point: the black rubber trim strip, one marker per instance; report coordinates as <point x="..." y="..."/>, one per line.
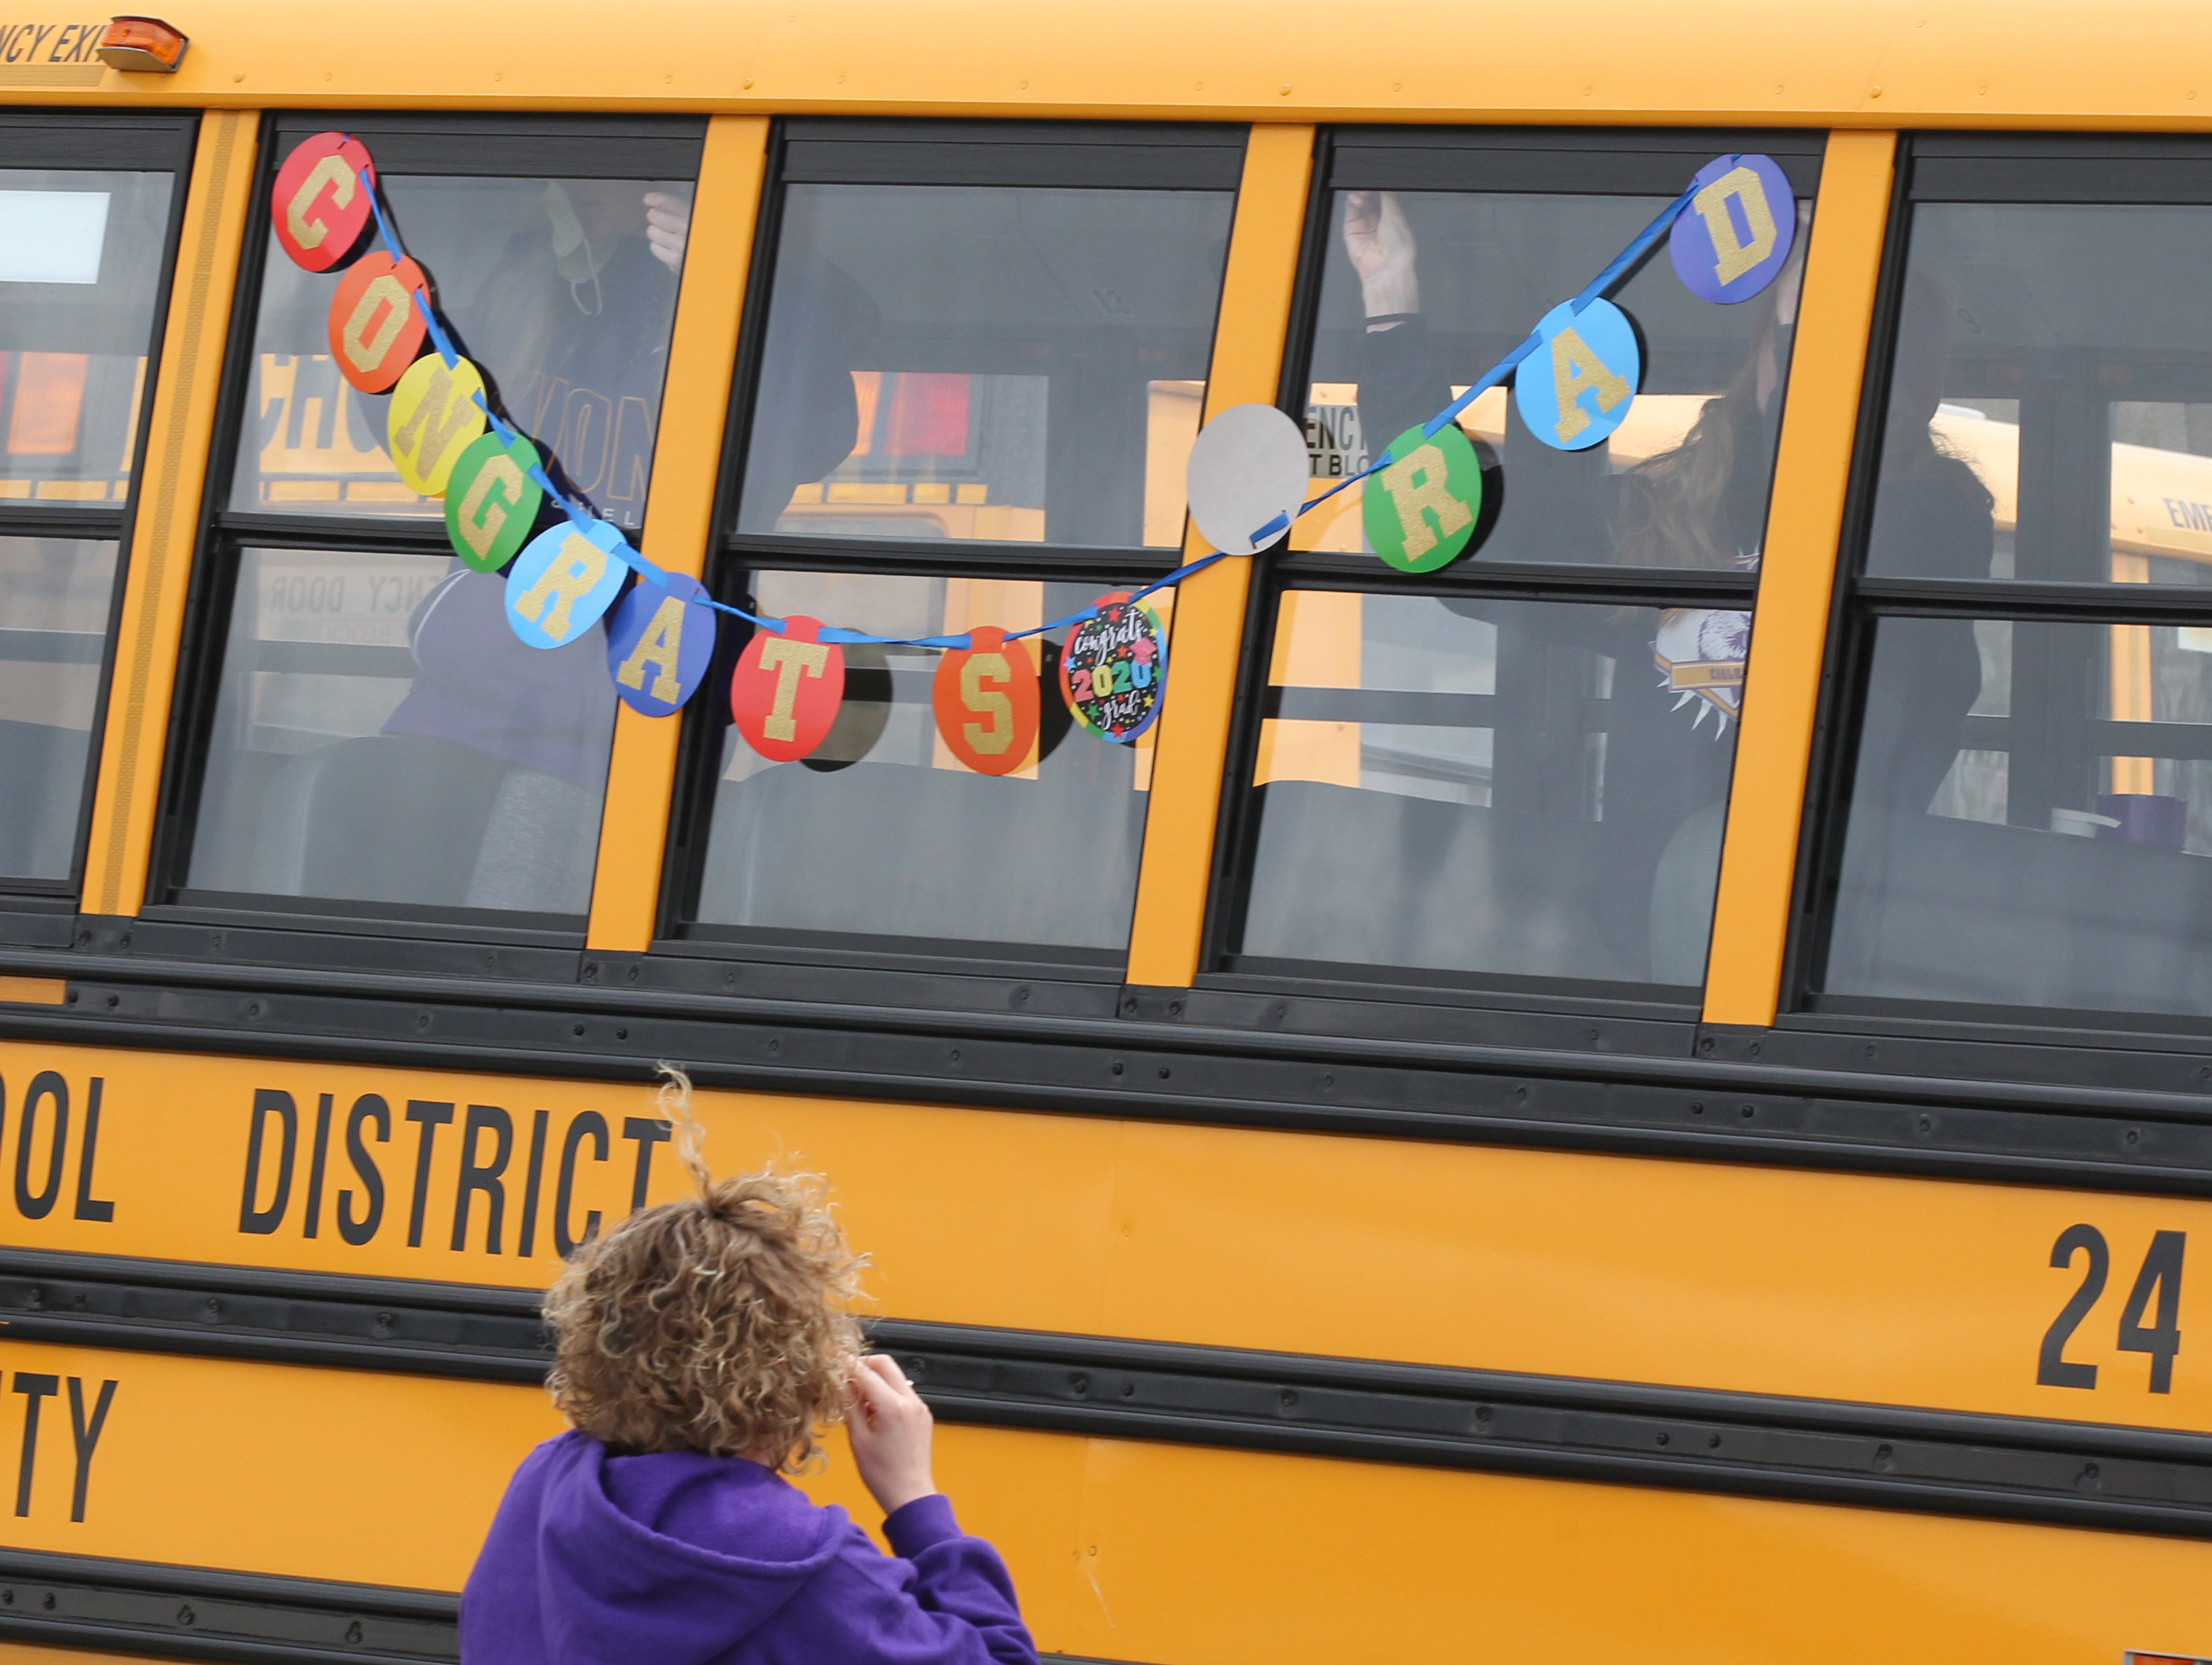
<point x="205" y="1612"/>
<point x="1946" y="1462"/>
<point x="1146" y="1066"/>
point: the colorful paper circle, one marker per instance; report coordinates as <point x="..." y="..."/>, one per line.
<point x="376" y="328"/>
<point x="321" y="205"/>
<point x="1115" y="669"/>
<point x="1421" y="509"/>
<point x="784" y="694"/>
<point x="660" y="642"/>
<point x="1576" y="387"/>
<point x="434" y="415"/>
<point x="563" y="582"/>
<point x="1734" y="237"/>
<point x="986" y="699"/>
<point x="491" y="501"/>
<point x="1247" y="477"/>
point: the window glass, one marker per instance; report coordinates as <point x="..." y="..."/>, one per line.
<point x="884" y="832"/>
<point x="80" y="270"/>
<point x="2051" y="410"/>
<point x="1471" y="785"/>
<point x="381" y="736"/>
<point x="2031" y="817"/>
<point x="1424" y="291"/>
<point x="553" y="287"/>
<point x="1009" y="363"/>
<point x="55" y="597"/>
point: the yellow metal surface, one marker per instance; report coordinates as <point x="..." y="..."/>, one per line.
<point x="1209" y="622"/>
<point x="1790" y="630"/>
<point x="1997" y="63"/>
<point x="679" y="513"/>
<point x="1123" y="1550"/>
<point x="371" y="1479"/>
<point x="167" y="524"/>
<point x="1767" y="1280"/>
<point x="34" y="991"/>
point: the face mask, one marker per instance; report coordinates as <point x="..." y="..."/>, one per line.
<point x="574" y="256"/>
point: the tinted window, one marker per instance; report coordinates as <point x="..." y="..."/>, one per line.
<point x="81" y="262"/>
<point x="883" y="831"/>
<point x="56" y="594"/>
<point x="2030" y="810"/>
<point x="1016" y="364"/>
<point x="1423" y="291"/>
<point x="552" y="286"/>
<point x="1469" y="784"/>
<point x="2063" y="346"/>
<point x="381" y="736"/>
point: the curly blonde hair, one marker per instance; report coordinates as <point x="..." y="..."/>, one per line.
<point x="719" y="1323"/>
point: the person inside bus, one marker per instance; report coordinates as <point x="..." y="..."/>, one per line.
<point x="572" y="319"/>
<point x="1933" y="519"/>
<point x="1701" y="503"/>
<point x="698" y="1347"/>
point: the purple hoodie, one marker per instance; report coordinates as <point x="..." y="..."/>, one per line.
<point x="685" y="1560"/>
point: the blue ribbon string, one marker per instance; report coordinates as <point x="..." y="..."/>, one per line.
<point x="582" y="520"/>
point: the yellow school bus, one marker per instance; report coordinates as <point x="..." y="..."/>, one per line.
<point x="1643" y="1093"/>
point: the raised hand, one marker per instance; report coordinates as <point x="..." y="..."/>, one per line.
<point x="667" y="228"/>
<point x="1380" y="241"/>
<point x="890" y="1428"/>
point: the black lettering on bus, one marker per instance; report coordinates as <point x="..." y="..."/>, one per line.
<point x="36" y="1206"/>
<point x="260" y="1222"/>
<point x="430" y="1115"/>
<point x="533" y="1183"/>
<point x="89" y="1207"/>
<point x="316" y="1161"/>
<point x="367" y="1107"/>
<point x="35" y="1390"/>
<point x="647" y="1131"/>
<point x="87" y="1437"/>
<point x="591" y="1123"/>
<point x="483" y="1177"/>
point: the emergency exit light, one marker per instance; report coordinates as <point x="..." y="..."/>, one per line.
<point x="145" y="45"/>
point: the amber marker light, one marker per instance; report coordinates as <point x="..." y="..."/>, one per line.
<point x="145" y="45"/>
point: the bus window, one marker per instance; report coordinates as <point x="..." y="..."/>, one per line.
<point x="983" y="341"/>
<point x="83" y="266"/>
<point x="552" y="285"/>
<point x="1000" y="363"/>
<point x="2030" y="797"/>
<point x="374" y="741"/>
<point x="1453" y="780"/>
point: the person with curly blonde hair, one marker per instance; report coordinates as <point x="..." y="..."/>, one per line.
<point x="698" y="1347"/>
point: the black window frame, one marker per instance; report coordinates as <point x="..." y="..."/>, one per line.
<point x="2027" y="1043"/>
<point x="334" y="932"/>
<point x="1108" y="156"/>
<point x="1409" y="1002"/>
<point x="39" y="913"/>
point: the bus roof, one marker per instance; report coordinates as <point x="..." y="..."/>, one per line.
<point x="2053" y="63"/>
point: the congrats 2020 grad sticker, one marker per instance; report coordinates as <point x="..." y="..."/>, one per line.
<point x="1115" y="669"/>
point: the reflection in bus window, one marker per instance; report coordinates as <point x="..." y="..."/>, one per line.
<point x="381" y="736"/>
<point x="55" y="596"/>
<point x="1425" y="290"/>
<point x="2030" y="807"/>
<point x="1471" y="785"/>
<point x="554" y="286"/>
<point x="1046" y="855"/>
<point x="1013" y="364"/>
<point x="80" y="265"/>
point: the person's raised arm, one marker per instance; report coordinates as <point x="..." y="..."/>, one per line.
<point x="890" y="1428"/>
<point x="1379" y="239"/>
<point x="667" y="228"/>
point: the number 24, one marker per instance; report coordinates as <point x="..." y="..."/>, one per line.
<point x="2160" y="1276"/>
